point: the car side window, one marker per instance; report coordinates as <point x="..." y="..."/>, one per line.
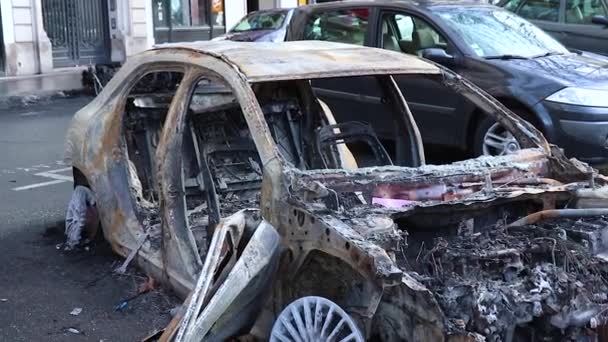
<point x="546" y="10"/>
<point x="512" y="5"/>
<point x="343" y="26"/>
<point x="146" y="107"/>
<point x="405" y="26"/>
<point x="581" y="11"/>
<point x="406" y="33"/>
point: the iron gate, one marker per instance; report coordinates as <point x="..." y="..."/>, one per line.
<point x="78" y="30"/>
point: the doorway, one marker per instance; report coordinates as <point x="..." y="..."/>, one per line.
<point x="78" y="30"/>
<point x="253" y="5"/>
<point x="1" y="46"/>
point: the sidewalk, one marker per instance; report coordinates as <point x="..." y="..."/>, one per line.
<point x="22" y="90"/>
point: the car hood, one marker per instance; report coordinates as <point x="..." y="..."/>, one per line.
<point x="250" y="36"/>
<point x="567" y="70"/>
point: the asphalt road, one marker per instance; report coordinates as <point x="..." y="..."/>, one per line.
<point x="39" y="284"/>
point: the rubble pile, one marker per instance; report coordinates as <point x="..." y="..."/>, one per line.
<point x="534" y="283"/>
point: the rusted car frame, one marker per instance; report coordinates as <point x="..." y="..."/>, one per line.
<point x="346" y="233"/>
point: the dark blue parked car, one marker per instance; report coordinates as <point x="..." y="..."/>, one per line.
<point x="562" y="93"/>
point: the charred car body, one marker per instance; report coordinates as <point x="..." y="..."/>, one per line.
<point x="233" y="184"/>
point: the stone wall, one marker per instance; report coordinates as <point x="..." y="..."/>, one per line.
<point x="27" y="49"/>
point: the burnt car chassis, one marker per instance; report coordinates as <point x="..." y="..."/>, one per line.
<point x="243" y="215"/>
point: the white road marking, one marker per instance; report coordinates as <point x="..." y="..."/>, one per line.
<point x="53" y="174"/>
<point x="38" y="185"/>
<point x="34" y="168"/>
<point x="30" y="113"/>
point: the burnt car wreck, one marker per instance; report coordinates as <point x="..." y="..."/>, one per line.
<point x="230" y="182"/>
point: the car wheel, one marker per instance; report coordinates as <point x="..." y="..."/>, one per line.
<point x="491" y="139"/>
<point x="81" y="218"/>
<point x="314" y="319"/>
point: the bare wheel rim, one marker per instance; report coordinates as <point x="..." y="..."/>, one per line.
<point x="497" y="141"/>
<point x="312" y="319"/>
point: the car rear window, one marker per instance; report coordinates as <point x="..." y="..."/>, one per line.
<point x="343" y="26"/>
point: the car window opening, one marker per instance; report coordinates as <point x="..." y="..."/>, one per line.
<point x="409" y="34"/>
<point x="146" y="109"/>
<point x="222" y="170"/>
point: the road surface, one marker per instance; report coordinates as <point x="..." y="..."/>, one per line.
<point x="39" y="284"/>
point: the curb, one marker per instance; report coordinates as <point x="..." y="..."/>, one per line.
<point x="16" y="102"/>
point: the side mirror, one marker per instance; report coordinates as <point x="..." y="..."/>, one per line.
<point x="600" y="20"/>
<point x="438" y="55"/>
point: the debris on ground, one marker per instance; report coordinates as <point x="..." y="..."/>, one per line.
<point x="122" y="305"/>
<point x="76" y="311"/>
<point x="123" y="268"/>
<point x="73" y="331"/>
<point x="143" y="288"/>
<point x="154" y="336"/>
<point x="147" y="286"/>
<point x="542" y="279"/>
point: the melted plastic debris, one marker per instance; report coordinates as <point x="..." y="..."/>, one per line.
<point x="536" y="282"/>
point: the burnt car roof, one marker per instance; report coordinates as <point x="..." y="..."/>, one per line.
<point x="261" y="62"/>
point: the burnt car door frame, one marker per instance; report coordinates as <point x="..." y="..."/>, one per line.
<point x="109" y="177"/>
<point x="273" y="192"/>
<point x="177" y="261"/>
<point x="181" y="245"/>
<point x="457" y="111"/>
<point x="338" y="93"/>
<point x="344" y="98"/>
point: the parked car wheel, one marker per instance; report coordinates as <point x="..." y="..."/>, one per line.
<point x="491" y="139"/>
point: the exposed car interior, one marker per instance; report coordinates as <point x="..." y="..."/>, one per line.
<point x="221" y="168"/>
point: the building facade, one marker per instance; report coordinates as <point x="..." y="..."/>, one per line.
<point x="39" y="36"/>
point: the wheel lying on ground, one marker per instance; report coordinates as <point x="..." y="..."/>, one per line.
<point x="315" y="319"/>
